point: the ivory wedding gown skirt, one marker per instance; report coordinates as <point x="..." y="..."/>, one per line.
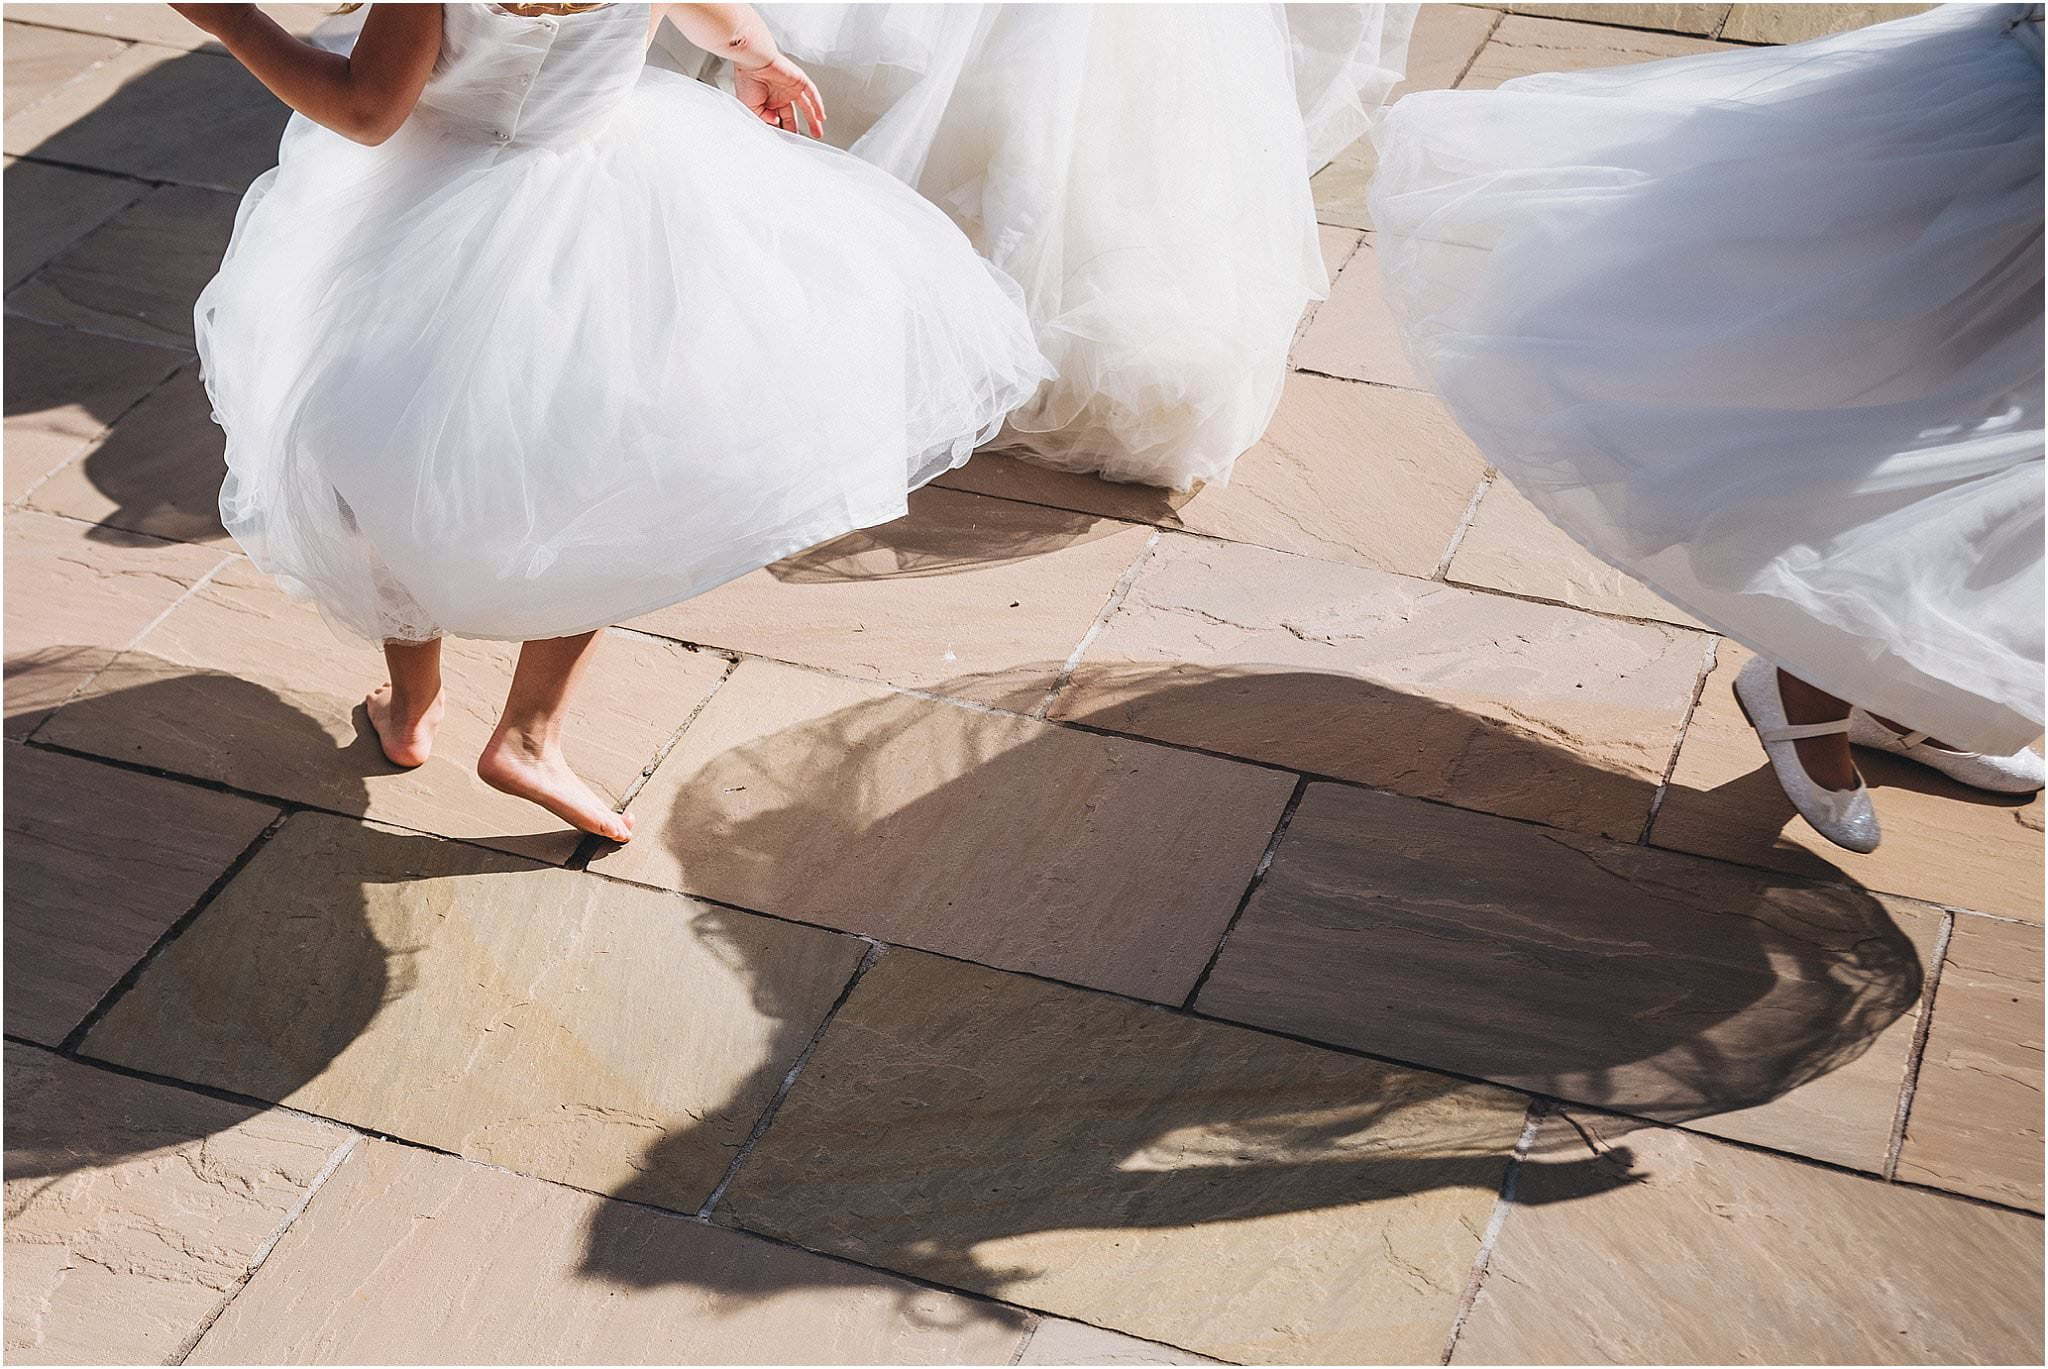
<point x="1764" y="329"/>
<point x="1141" y="170"/>
<point x="583" y="339"/>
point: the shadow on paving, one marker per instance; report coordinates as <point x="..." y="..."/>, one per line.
<point x="358" y="974"/>
<point x="1079" y="1164"/>
<point x="949" y="1174"/>
<point x="1741" y="1050"/>
<point x="195" y="129"/>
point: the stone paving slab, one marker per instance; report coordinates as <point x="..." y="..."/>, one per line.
<point x="136" y="275"/>
<point x="1976" y="1121"/>
<point x="1354" y="334"/>
<point x="559" y="1025"/>
<point x="1443" y="693"/>
<point x="195" y="118"/>
<point x="1054" y="1341"/>
<point x="1238" y="1195"/>
<point x="62" y="390"/>
<point x="1445" y="40"/>
<point x="41" y="62"/>
<point x="1781" y="23"/>
<point x="1511" y="546"/>
<point x="1525" y="46"/>
<point x="76" y="595"/>
<point x="243" y="687"/>
<point x="135" y="1210"/>
<point x="1002" y="476"/>
<point x="51" y="207"/>
<point x="1749" y="1005"/>
<point x="407" y="1257"/>
<point x="159" y="471"/>
<point x="1701" y="21"/>
<point x="1184" y="1180"/>
<point x="1943" y="841"/>
<point x="1352" y="473"/>
<point x="100" y="863"/>
<point x="1098" y="860"/>
<point x="158" y="24"/>
<point x="949" y="598"/>
<point x="1700" y="1252"/>
<point x="1335" y="245"/>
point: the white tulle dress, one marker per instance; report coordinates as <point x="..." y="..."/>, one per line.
<point x="1141" y="170"/>
<point x="582" y="339"/>
<point x="1764" y="329"/>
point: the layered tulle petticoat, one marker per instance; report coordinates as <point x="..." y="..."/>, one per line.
<point x="1764" y="329"/>
<point x="1141" y="171"/>
<point x="582" y="340"/>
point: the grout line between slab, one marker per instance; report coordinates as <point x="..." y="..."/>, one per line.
<point x="371" y="1133"/>
<point x="2007" y="918"/>
<point x="1251" y="887"/>
<point x="590" y="844"/>
<point x="1024" y="1342"/>
<point x="1916" y="1054"/>
<point x="127" y="45"/>
<point x="183" y="351"/>
<point x="83" y="168"/>
<point x="199" y="583"/>
<point x="1360" y="380"/>
<point x="1495" y="1222"/>
<point x="99" y="439"/>
<point x="873" y="953"/>
<point x="334" y="1162"/>
<point x="97" y="1013"/>
<point x="1118" y="592"/>
<point x="1473" y="61"/>
<point x="1699" y="691"/>
<point x="975" y="705"/>
<point x="289" y="805"/>
<point x="1465" y="521"/>
<point x="1316" y="303"/>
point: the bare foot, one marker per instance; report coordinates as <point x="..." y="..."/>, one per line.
<point x="406" y="734"/>
<point x="537" y="772"/>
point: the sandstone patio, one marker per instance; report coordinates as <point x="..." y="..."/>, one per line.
<point x="1329" y="919"/>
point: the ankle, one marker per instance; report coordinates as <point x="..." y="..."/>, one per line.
<point x="532" y="740"/>
<point x="414" y="700"/>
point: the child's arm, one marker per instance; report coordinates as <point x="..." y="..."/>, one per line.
<point x="363" y="96"/>
<point x="766" y="82"/>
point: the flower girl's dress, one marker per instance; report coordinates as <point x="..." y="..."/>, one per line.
<point x="582" y="339"/>
<point x="1764" y="329"/>
<point x="1141" y="170"/>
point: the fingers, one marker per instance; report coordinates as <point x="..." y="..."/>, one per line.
<point x="813" y="106"/>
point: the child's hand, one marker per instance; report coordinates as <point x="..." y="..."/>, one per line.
<point x="775" y="91"/>
<point x="214" y="19"/>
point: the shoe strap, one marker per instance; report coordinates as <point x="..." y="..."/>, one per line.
<point x="1912" y="738"/>
<point x="1799" y="731"/>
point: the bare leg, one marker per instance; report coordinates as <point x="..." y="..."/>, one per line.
<point x="1825" y="759"/>
<point x="524" y="756"/>
<point x="406" y="709"/>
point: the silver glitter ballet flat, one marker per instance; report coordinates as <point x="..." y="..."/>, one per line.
<point x="1844" y="816"/>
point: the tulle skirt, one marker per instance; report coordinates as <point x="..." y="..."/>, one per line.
<point x="1764" y="329"/>
<point x="525" y="392"/>
<point x="1141" y="171"/>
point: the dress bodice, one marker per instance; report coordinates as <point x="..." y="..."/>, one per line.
<point x="505" y="77"/>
